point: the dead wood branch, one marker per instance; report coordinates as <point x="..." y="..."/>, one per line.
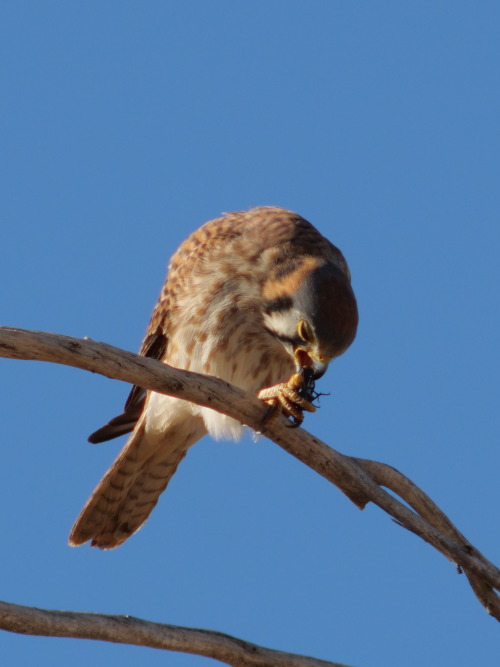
<point x="135" y="631"/>
<point x="361" y="480"/>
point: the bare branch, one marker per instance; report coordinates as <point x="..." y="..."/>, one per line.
<point x="361" y="480"/>
<point x="130" y="630"/>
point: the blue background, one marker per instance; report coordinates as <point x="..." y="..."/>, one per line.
<point x="125" y="126"/>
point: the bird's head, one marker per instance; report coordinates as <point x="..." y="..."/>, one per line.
<point x="315" y="317"/>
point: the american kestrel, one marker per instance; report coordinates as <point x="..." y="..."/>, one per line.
<point x="258" y="298"/>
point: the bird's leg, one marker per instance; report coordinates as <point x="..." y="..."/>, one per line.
<point x="288" y="397"/>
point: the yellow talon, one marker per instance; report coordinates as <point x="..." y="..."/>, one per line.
<point x="285" y="398"/>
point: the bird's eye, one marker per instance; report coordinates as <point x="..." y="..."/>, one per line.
<point x="304" y="331"/>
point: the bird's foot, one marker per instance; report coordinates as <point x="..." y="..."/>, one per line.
<point x="287" y="398"/>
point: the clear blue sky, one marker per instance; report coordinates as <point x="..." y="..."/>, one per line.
<point x="126" y="125"/>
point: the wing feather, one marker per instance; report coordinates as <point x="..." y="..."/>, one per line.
<point x="154" y="346"/>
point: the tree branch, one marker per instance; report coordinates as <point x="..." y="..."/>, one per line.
<point x="361" y="480"/>
<point x="135" y="631"/>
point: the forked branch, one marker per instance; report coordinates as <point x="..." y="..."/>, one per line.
<point x="360" y="479"/>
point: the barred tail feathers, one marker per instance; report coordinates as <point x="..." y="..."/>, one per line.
<point x="130" y="489"/>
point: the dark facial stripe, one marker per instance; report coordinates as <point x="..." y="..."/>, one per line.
<point x="284" y="339"/>
<point x="277" y="305"/>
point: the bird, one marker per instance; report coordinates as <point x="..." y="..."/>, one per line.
<point x="259" y="298"/>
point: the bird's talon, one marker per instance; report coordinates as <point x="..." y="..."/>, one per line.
<point x="286" y="398"/>
<point x="271" y="415"/>
<point x="295" y="422"/>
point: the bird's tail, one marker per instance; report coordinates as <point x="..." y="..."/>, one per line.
<point x="130" y="489"/>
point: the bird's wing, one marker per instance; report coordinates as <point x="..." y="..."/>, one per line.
<point x="154" y="346"/>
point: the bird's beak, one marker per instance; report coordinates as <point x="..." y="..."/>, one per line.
<point x="307" y="362"/>
<point x="318" y="368"/>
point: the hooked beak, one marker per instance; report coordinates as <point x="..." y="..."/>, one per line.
<point x="309" y="365"/>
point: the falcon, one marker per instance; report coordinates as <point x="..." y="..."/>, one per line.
<point x="258" y="298"/>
